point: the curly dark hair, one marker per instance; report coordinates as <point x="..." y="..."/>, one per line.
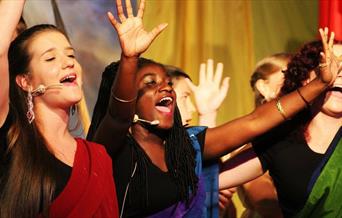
<point x="300" y="66"/>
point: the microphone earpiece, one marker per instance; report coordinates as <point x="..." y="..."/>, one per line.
<point x="41" y="89"/>
<point x="152" y="123"/>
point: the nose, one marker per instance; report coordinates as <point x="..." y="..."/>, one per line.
<point x="165" y="86"/>
<point x="68" y="62"/>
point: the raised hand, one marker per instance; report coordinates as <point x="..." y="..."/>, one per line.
<point x="328" y="67"/>
<point x="209" y="95"/>
<point x="134" y="39"/>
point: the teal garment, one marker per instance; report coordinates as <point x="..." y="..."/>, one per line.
<point x="325" y="199"/>
<point x="209" y="174"/>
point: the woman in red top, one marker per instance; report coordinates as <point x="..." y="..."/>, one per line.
<point x="44" y="169"/>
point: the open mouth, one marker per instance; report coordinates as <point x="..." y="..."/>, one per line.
<point x="70" y="78"/>
<point x="335" y="89"/>
<point x="165" y="104"/>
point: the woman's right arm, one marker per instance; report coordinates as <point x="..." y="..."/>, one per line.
<point x="241" y="168"/>
<point x="10" y="12"/>
<point x="134" y="40"/>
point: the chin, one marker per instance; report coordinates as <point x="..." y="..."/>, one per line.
<point x="74" y="101"/>
<point x="333" y="110"/>
<point x="164" y="126"/>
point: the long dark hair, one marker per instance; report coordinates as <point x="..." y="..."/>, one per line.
<point x="29" y="183"/>
<point x="180" y="154"/>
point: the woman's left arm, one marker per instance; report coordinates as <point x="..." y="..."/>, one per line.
<point x="10" y="12"/>
<point x="231" y="135"/>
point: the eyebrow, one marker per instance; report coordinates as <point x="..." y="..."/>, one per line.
<point x="148" y="74"/>
<point x="51" y="49"/>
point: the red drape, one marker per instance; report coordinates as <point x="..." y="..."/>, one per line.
<point x="90" y="191"/>
<point x="330" y="15"/>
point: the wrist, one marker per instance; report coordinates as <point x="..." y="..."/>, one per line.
<point x="129" y="57"/>
<point x="321" y="83"/>
<point x="208" y="119"/>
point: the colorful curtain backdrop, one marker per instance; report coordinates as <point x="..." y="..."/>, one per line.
<point x="237" y="33"/>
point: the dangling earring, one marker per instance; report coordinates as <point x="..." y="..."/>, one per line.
<point x="30" y="114"/>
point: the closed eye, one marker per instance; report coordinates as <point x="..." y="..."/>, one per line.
<point x="50" y="59"/>
<point x="150" y="82"/>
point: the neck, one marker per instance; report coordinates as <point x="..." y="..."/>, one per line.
<point x="147" y="136"/>
<point x="53" y="123"/>
<point x="322" y="129"/>
<point x="152" y="144"/>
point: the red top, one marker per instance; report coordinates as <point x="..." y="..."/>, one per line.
<point x="90" y="191"/>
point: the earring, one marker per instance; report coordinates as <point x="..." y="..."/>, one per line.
<point x="30" y="114"/>
<point x="73" y="110"/>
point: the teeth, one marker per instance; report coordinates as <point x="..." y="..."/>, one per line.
<point x="166" y="99"/>
<point x="68" y="77"/>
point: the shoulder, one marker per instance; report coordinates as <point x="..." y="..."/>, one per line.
<point x="195" y="130"/>
<point x="197" y="134"/>
<point x="93" y="147"/>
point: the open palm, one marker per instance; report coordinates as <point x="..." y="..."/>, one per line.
<point x="134" y="39"/>
<point x="329" y="64"/>
<point x="209" y="94"/>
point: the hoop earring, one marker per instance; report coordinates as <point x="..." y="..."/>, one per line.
<point x="30" y="114"/>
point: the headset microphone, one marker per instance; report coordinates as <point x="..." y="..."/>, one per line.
<point x="41" y="89"/>
<point x="152" y="123"/>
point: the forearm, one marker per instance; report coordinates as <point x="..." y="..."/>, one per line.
<point x="270" y="114"/>
<point x="4" y="92"/>
<point x="239" y="170"/>
<point x="10" y="12"/>
<point x="124" y="90"/>
<point x="115" y="124"/>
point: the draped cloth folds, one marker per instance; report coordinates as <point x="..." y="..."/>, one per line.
<point x="326" y="192"/>
<point x="90" y="191"/>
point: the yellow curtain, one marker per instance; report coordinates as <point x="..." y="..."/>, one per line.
<point x="284" y="25"/>
<point x="199" y="30"/>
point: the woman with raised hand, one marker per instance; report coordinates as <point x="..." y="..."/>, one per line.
<point x="157" y="161"/>
<point x="45" y="171"/>
<point x="303" y="154"/>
